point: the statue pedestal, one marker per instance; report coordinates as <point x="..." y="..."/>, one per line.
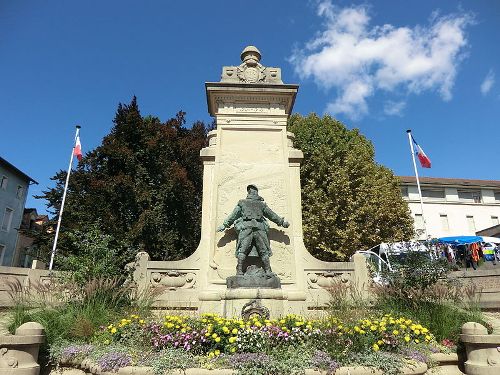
<point x="254" y="277"/>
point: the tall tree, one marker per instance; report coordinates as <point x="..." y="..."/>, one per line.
<point x="349" y="202"/>
<point x="143" y="186"/>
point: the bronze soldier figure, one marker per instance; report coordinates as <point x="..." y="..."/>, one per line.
<point x="249" y="218"/>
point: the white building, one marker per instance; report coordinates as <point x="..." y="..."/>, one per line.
<point x="452" y="206"/>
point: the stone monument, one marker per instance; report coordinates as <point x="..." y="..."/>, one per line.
<point x="249" y="147"/>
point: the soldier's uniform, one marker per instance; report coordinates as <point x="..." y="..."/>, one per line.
<point x="249" y="218"/>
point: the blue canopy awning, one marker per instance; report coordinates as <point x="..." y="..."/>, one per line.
<point x="460" y="240"/>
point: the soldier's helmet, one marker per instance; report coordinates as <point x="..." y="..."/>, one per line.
<point x="252" y="186"/>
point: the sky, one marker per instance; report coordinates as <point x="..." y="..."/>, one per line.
<point x="381" y="66"/>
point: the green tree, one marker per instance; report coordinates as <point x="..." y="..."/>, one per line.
<point x="143" y="184"/>
<point x="349" y="202"/>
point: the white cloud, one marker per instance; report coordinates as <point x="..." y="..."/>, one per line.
<point x="394" y="108"/>
<point x="357" y="60"/>
<point x="488" y="82"/>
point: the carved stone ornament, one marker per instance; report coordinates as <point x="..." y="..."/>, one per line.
<point x="254" y="308"/>
<point x="325" y="279"/>
<point x="251" y="70"/>
<point x="7" y="361"/>
<point x="174" y="279"/>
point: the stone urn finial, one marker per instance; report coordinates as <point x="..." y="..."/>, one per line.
<point x="251" y="56"/>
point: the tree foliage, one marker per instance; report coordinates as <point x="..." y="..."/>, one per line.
<point x="349" y="202"/>
<point x="143" y="185"/>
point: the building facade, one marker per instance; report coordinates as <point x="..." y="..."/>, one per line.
<point x="14" y="186"/>
<point x="452" y="206"/>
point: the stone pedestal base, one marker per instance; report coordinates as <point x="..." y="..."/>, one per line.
<point x="245" y="281"/>
<point x="255" y="278"/>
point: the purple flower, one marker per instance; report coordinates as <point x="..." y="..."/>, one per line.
<point x="243" y="360"/>
<point x="74" y="351"/>
<point x="415" y="355"/>
<point x="322" y="360"/>
<point x="114" y="360"/>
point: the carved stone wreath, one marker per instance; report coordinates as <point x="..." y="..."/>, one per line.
<point x="251" y="74"/>
<point x="254" y="308"/>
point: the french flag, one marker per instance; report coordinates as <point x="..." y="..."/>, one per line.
<point x="78" y="149"/>
<point x="425" y="162"/>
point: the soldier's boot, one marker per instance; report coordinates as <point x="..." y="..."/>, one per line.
<point x="239" y="266"/>
<point x="267" y="266"/>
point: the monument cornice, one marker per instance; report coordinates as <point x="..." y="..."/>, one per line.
<point x="260" y="92"/>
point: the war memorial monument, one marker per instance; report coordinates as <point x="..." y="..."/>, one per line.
<point x="251" y="253"/>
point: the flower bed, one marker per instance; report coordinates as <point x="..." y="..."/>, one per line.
<point x="256" y="346"/>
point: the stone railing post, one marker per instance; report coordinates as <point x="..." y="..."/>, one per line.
<point x="483" y="350"/>
<point x="19" y="352"/>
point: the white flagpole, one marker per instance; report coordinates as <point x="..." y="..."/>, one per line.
<point x="418" y="182"/>
<point x="63" y="200"/>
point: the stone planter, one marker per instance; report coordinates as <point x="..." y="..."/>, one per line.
<point x="87" y="368"/>
<point x="483" y="350"/>
<point x="447" y="364"/>
<point x="19" y="352"/>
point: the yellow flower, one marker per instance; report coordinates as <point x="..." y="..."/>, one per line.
<point x="113" y="330"/>
<point x="417" y="341"/>
<point x="395" y="332"/>
<point x="407" y="338"/>
<point x="233" y="349"/>
<point x="425" y="330"/>
<point x="380" y="342"/>
<point x="427" y="338"/>
<point x="217" y="339"/>
<point x="106" y="342"/>
<point x="375" y="347"/>
<point x="373" y="328"/>
<point x="211" y="354"/>
<point x="142" y="321"/>
<point x="214" y="335"/>
<point x="232" y="339"/>
<point x="362" y="332"/>
<point x="217" y="352"/>
<point x="417" y="332"/>
<point x="234" y="331"/>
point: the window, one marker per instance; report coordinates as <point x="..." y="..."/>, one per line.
<point x="494" y="220"/>
<point x="404" y="191"/>
<point x="470" y="223"/>
<point x="2" y="252"/>
<point x="444" y="222"/>
<point x="497" y="196"/>
<point x="7" y="219"/>
<point x="3" y="182"/>
<point x="433" y="194"/>
<point x="470" y="196"/>
<point x="19" y="192"/>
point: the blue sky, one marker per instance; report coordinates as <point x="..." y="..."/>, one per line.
<point x="380" y="66"/>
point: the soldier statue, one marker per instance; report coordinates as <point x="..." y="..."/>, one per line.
<point x="249" y="218"/>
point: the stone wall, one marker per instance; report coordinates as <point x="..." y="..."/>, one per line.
<point x="21" y="282"/>
<point x="486" y="283"/>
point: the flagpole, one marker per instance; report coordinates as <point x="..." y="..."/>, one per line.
<point x="418" y="181"/>
<point x="63" y="200"/>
